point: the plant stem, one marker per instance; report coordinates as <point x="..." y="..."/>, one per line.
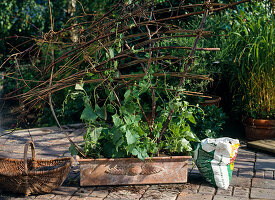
<point x="189" y="63"/>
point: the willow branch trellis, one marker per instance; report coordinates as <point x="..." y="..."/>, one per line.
<point x="133" y="39"/>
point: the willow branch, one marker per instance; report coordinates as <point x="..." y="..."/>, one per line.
<point x="190" y="61"/>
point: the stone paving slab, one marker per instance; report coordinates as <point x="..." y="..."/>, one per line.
<point x="124" y="194"/>
<point x="263" y="183"/>
<point x="248" y="173"/>
<point x="265" y="162"/>
<point x="266" y="145"/>
<point x="261" y="193"/>
<point x="100" y="193"/>
<point x="244" y="165"/>
<point x="185" y="196"/>
<point x="241" y="182"/>
<point x="227" y="192"/>
<point x="253" y="176"/>
<point x="245" y="155"/>
<point x="220" y="197"/>
<point x="205" y="189"/>
<point x="241" y="192"/>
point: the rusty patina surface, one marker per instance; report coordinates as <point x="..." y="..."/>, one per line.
<point x="131" y="171"/>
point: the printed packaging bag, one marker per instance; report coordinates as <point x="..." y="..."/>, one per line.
<point x="215" y="160"/>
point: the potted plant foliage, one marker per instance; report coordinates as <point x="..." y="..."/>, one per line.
<point x="138" y="124"/>
<point x="140" y="133"/>
<point x="254" y="75"/>
<point x="138" y="121"/>
<point x="113" y="140"/>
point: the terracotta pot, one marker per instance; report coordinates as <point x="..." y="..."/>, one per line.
<point x="257" y="129"/>
<point x="132" y="171"/>
<point x="215" y="100"/>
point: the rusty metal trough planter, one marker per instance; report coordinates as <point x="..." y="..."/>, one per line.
<point x="132" y="171"/>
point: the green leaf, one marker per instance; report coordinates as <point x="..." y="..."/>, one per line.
<point x="100" y="112"/>
<point x="87" y="135"/>
<point x="73" y="150"/>
<point x="117" y="135"/>
<point x="130" y="148"/>
<point x="188" y="114"/>
<point x="108" y="150"/>
<point x="86" y="100"/>
<point x="131" y="137"/>
<point x="117" y="121"/>
<point x="185" y="103"/>
<point x="129" y="109"/>
<point x="118" y="153"/>
<point x="88" y="114"/>
<point x="110" y="108"/>
<point x="127" y="120"/>
<point x="112" y="96"/>
<point x="159" y="109"/>
<point x="115" y="64"/>
<point x="127" y="95"/>
<point x="135" y="93"/>
<point x="135" y="119"/>
<point x="89" y="74"/>
<point x="190" y="136"/>
<point x="143" y="86"/>
<point x="192" y="119"/>
<point x="132" y="25"/>
<point x="140" y="153"/>
<point x="119" y="143"/>
<point x="95" y="133"/>
<point x="185" y="145"/>
<point x="79" y="86"/>
<point x="111" y="51"/>
<point x="175" y="129"/>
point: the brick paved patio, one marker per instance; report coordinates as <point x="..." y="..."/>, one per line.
<point x="253" y="176"/>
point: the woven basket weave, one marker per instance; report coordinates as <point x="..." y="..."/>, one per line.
<point x="31" y="176"/>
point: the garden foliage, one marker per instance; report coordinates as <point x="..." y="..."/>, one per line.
<point x="250" y="49"/>
<point x="127" y="70"/>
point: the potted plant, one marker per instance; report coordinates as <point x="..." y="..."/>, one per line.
<point x="133" y="113"/>
<point x="254" y="75"/>
<point x="125" y="146"/>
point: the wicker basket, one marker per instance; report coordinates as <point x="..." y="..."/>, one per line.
<point x="31" y="176"/>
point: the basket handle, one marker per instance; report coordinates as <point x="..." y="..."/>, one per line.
<point x="34" y="163"/>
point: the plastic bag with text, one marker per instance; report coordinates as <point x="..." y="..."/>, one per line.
<point x="215" y="160"/>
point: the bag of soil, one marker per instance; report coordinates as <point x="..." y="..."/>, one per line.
<point x="215" y="160"/>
